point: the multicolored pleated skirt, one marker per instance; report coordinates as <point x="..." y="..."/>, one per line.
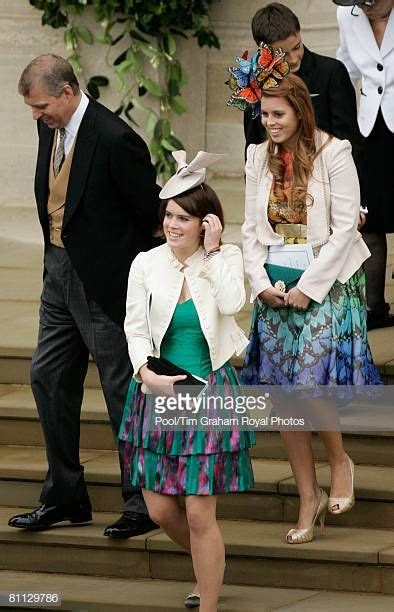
<point x="324" y="345"/>
<point x="184" y="462"/>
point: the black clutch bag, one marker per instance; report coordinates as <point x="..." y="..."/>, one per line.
<point x="159" y="365"/>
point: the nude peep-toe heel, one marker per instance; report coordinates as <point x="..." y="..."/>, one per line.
<point x="302" y="536"/>
<point x="339" y="505"/>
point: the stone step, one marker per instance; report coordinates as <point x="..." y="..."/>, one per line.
<point x="273" y="498"/>
<point x="374" y="448"/>
<point x="20" y="425"/>
<point x="15" y="369"/>
<point x="20" y="284"/>
<point x="19" y="304"/>
<point x="19" y="330"/>
<point x="344" y="559"/>
<point x="21" y="244"/>
<point x="101" y="594"/>
<point x="15" y="361"/>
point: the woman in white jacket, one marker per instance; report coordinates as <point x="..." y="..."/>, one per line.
<point x="302" y="187"/>
<point x="181" y="301"/>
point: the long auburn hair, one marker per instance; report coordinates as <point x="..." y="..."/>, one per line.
<point x="294" y="90"/>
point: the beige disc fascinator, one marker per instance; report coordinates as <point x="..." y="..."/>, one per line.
<point x="189" y="175"/>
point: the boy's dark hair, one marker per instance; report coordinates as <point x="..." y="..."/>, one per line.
<point x="274" y="22"/>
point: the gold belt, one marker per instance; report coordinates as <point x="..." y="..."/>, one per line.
<point x="293" y="233"/>
<point x="291" y="230"/>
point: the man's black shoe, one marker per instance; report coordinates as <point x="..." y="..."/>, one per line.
<point x="375" y="321"/>
<point x="45" y="516"/>
<point x="130" y="524"/>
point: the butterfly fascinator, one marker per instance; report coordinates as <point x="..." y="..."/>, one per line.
<point x="249" y="78"/>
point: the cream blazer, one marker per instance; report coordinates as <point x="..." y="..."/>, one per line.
<point x="332" y="219"/>
<point x="366" y="61"/>
<point x="216" y="286"/>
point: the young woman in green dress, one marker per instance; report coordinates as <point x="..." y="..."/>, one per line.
<point x="182" y="298"/>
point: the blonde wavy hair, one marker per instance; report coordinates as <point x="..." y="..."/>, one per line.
<point x="294" y="90"/>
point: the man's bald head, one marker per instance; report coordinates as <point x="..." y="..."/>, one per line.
<point x="50" y="72"/>
<point x="51" y="89"/>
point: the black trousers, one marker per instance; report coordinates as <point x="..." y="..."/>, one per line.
<point x="71" y="327"/>
<point x="375" y="273"/>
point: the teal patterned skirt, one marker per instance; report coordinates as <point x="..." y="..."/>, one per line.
<point x="324" y="345"/>
<point x="184" y="462"/>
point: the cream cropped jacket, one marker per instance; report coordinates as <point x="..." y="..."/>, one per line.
<point x="216" y="286"/>
<point x="332" y="219"/>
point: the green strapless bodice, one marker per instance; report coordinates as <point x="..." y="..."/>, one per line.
<point x="184" y="343"/>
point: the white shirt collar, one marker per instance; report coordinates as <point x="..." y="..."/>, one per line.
<point x="72" y="126"/>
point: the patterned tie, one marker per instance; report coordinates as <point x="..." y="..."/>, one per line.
<point x="59" y="155"/>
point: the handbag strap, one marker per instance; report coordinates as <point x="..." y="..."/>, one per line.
<point x="148" y="309"/>
<point x="327" y="201"/>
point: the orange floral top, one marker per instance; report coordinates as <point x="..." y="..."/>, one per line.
<point x="283" y="206"/>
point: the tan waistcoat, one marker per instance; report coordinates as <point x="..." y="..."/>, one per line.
<point x="57" y="195"/>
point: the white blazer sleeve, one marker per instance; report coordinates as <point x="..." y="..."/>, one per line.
<point x="343" y="52"/>
<point x="255" y="254"/>
<point x="136" y="322"/>
<point x="344" y="189"/>
<point x="225" y="275"/>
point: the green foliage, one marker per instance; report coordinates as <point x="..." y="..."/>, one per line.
<point x="145" y="32"/>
